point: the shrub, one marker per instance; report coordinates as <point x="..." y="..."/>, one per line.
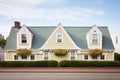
<point x="60" y="52"/>
<point x="51" y="63"/>
<point x="76" y="63"/>
<point x="95" y="52"/>
<point x="23" y="52"/>
<point x="117" y="57"/>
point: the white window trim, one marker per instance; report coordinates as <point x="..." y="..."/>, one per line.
<point x="14" y="59"/>
<point x="98" y="39"/>
<point x="104" y="57"/>
<point x="24" y="59"/>
<point x="48" y="55"/>
<point x="34" y="57"/>
<point x="94" y="59"/>
<point x="57" y="37"/>
<point x="70" y="55"/>
<point x="21" y="38"/>
<point x="84" y="57"/>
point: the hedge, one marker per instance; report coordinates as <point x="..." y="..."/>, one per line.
<point x="117" y="57"/>
<point x="64" y="63"/>
<point x="50" y="63"/>
<point x="75" y="63"/>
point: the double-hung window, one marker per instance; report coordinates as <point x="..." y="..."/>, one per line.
<point x="94" y="57"/>
<point x="94" y="38"/>
<point x="32" y="57"/>
<point x="24" y="57"/>
<point x="72" y="57"/>
<point x="46" y="56"/>
<point x="15" y="57"/>
<point x="102" y="57"/>
<point x="85" y="57"/>
<point x="23" y="38"/>
<point x="59" y="38"/>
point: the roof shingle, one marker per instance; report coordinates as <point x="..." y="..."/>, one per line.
<point x="77" y="34"/>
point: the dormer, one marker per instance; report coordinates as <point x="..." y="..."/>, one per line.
<point x="94" y="38"/>
<point x="24" y="38"/>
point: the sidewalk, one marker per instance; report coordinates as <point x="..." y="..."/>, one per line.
<point x="60" y="70"/>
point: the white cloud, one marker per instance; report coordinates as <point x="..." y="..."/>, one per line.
<point x="25" y="12"/>
<point x="4" y="30"/>
<point x="25" y="8"/>
<point x="31" y="9"/>
<point x="23" y="3"/>
<point x="93" y="11"/>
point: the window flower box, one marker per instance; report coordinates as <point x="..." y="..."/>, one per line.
<point x="95" y="52"/>
<point x="60" y="52"/>
<point x="23" y="52"/>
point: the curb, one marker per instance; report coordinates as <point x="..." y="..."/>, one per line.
<point x="59" y="70"/>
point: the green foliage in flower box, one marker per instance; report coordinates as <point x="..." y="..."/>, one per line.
<point x="95" y="52"/>
<point x="23" y="52"/>
<point x="60" y="52"/>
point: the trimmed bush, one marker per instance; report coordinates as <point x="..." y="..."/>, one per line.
<point x="64" y="63"/>
<point x="50" y="63"/>
<point x="117" y="57"/>
<point x="75" y="63"/>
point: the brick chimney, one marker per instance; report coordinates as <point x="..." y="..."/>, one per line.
<point x="17" y="24"/>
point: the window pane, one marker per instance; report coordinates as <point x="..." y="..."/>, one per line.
<point x="24" y="38"/>
<point x="32" y="57"/>
<point x="46" y="56"/>
<point x="15" y="57"/>
<point x="94" y="41"/>
<point x="94" y="36"/>
<point x="94" y="57"/>
<point x="102" y="57"/>
<point x="72" y="55"/>
<point x="86" y="57"/>
<point x="24" y="57"/>
<point x="59" y="38"/>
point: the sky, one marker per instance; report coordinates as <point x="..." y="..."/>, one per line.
<point x="66" y="12"/>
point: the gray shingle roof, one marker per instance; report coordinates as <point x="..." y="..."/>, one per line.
<point x="78" y="35"/>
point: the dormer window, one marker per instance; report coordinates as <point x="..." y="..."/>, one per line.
<point x="23" y="38"/>
<point x="94" y="38"/>
<point x="59" y="38"/>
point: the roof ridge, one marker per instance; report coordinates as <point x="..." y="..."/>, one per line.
<point x="63" y="26"/>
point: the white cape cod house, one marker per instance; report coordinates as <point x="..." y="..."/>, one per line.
<point x="42" y="40"/>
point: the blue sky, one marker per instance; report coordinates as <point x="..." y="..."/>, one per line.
<point x="67" y="12"/>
